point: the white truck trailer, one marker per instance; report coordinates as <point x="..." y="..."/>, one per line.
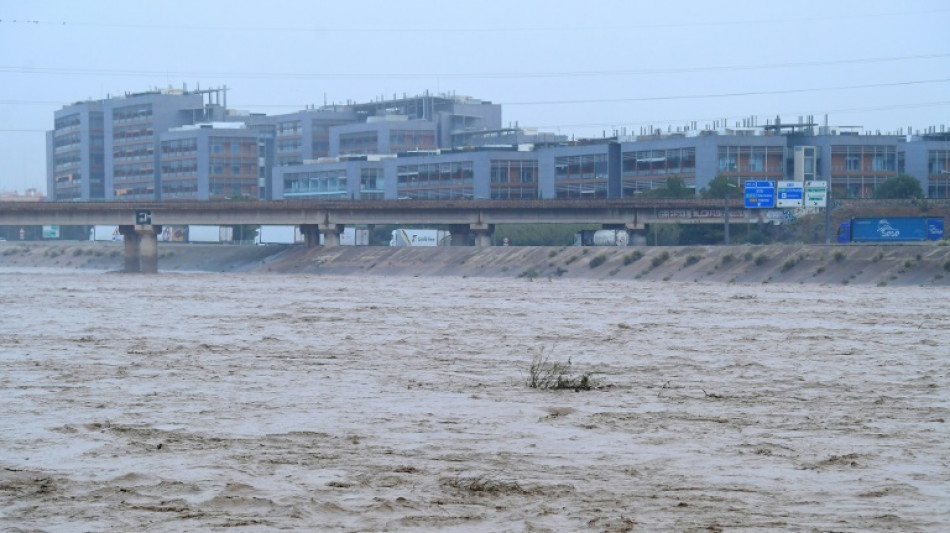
<point x="420" y="237"/>
<point x="209" y="234"/>
<point x="105" y="233"/>
<point x="279" y="235"/>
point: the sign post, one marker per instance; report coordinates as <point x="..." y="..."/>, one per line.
<point x="816" y="193"/>
<point x="760" y="195"/>
<point x="789" y="194"/>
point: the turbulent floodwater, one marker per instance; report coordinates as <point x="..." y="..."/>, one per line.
<point x="198" y="402"/>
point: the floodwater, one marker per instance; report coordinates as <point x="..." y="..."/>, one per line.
<point x="201" y="402"/>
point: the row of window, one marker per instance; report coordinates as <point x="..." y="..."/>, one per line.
<point x="594" y="189"/>
<point x="402" y="140"/>
<point x="179" y="146"/>
<point x="514" y="171"/>
<point x="234" y="146"/>
<point x="647" y="162"/>
<point x="442" y="174"/>
<point x="939" y="187"/>
<point x="134" y="132"/>
<point x="439" y="193"/>
<point x="371" y="180"/>
<point x="938" y="162"/>
<point x="526" y="192"/>
<point x="580" y="167"/>
<point x="359" y="143"/>
<point x="751" y="159"/>
<point x="141" y="170"/>
<point x="132" y="113"/>
<point x="322" y="183"/>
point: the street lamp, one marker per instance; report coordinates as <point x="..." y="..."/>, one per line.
<point x="725" y="203"/>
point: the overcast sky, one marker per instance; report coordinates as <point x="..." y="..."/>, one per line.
<point x="578" y="68"/>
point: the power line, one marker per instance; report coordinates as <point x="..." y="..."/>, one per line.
<point x="477" y="75"/>
<point x="457" y="29"/>
<point x="723" y="95"/>
<point x="608" y="100"/>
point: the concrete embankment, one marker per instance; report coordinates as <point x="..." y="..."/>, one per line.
<point x="923" y="264"/>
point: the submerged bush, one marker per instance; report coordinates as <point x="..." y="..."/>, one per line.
<point x="545" y="374"/>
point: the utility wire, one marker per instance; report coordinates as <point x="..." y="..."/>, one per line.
<point x="458" y="29"/>
<point x="477" y="75"/>
<point x="607" y="100"/>
<point x="723" y="95"/>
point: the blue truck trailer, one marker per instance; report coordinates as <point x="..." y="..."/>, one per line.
<point x="891" y="229"/>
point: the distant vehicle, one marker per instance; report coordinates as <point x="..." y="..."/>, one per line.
<point x="292" y="235"/>
<point x="420" y="237"/>
<point x="210" y="234"/>
<point x="352" y="237"/>
<point x="891" y="229"/>
<point x="105" y="233"/>
<point x="602" y="237"/>
<point x="279" y="235"/>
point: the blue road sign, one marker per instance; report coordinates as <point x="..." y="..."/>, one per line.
<point x="759" y="195"/>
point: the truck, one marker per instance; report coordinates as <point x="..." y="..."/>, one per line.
<point x="420" y="237"/>
<point x="279" y="235"/>
<point x="602" y="237"/>
<point x="352" y="237"/>
<point x="209" y="234"/>
<point x="105" y="233"/>
<point x="891" y="229"/>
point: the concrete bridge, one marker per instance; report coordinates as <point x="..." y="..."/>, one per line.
<point x="141" y="222"/>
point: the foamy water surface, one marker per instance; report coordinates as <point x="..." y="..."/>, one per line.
<point x="197" y="402"/>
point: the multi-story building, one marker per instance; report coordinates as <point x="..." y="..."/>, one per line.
<point x="75" y="157"/>
<point x="149" y="146"/>
<point x="927" y="157"/>
<point x="133" y="126"/>
<point x="209" y="162"/>
<point x="305" y="135"/>
<point x="108" y="149"/>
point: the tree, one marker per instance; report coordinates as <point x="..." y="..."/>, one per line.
<point x="900" y="186"/>
<point x="720" y="186"/>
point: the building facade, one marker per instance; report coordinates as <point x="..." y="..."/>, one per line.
<point x="109" y="149"/>
<point x="75" y="153"/>
<point x="213" y="161"/>
<point x="177" y="145"/>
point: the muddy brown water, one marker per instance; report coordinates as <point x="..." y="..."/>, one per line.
<point x="198" y="402"/>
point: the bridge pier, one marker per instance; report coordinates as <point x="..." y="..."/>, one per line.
<point x="482" y="231"/>
<point x="311" y="235"/>
<point x="459" y="234"/>
<point x="130" y="242"/>
<point x="140" y="245"/>
<point x="148" y="249"/>
<point x="331" y="234"/>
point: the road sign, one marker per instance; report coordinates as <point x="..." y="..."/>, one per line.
<point x="143" y="218"/>
<point x="759" y="194"/>
<point x="816" y="193"/>
<point x="789" y="194"/>
<point x="50" y="232"/>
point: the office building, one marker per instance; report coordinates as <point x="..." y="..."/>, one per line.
<point x="177" y="144"/>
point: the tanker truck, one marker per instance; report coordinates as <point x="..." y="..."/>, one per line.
<point x="602" y="237"/>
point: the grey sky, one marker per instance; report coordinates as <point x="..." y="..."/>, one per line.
<point x="578" y="68"/>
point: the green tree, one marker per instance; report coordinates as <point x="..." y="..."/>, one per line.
<point x="900" y="186"/>
<point x="720" y="186"/>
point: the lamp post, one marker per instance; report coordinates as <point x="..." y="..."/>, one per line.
<point x="725" y="203"/>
